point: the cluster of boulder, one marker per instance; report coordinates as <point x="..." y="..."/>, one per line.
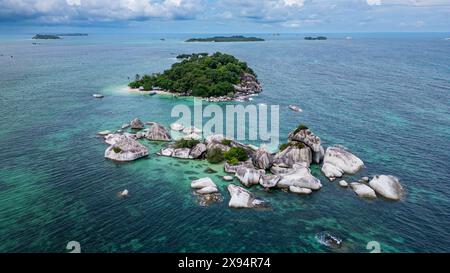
<point x="125" y="146"/>
<point x="288" y="169"/>
<point x="387" y="186"/>
<point x="206" y="190"/>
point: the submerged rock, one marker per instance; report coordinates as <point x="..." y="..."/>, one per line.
<point x="387" y="186"/>
<point x="126" y="149"/>
<point x="136" y="124"/>
<point x="242" y="198"/>
<point x="363" y="190"/>
<point x="338" y="160"/>
<point x="329" y="240"/>
<point x="206" y="191"/>
<point x="205" y="200"/>
<point x="249" y="176"/>
<point x="157" y="132"/>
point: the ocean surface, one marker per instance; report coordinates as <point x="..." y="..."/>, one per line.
<point x="386" y="97"/>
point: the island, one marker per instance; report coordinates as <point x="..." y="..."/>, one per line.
<point x="216" y="77"/>
<point x="46" y="37"/>
<point x="72" y="34"/>
<point x="221" y="39"/>
<point x="316" y="38"/>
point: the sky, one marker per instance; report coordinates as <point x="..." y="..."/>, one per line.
<point x="233" y="16"/>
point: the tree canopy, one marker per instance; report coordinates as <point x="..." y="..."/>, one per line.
<point x="198" y="75"/>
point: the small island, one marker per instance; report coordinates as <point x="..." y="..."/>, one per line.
<point x="222" y="39"/>
<point x="309" y="38"/>
<point x="46" y="37"/>
<point x="72" y="34"/>
<point x="216" y="77"/>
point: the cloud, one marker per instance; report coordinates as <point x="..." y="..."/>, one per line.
<point x="303" y="14"/>
<point x="99" y="10"/>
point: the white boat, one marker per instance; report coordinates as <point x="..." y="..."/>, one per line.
<point x="98" y="96"/>
<point x="295" y="108"/>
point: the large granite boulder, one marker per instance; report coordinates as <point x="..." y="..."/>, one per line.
<point x="157" y="132"/>
<point x="229" y="168"/>
<point x="301" y="177"/>
<point x="182" y="153"/>
<point x="387" y="186"/>
<point x="137" y="124"/>
<point x="126" y="149"/>
<point x="249" y="176"/>
<point x="338" y="160"/>
<point x="262" y="159"/>
<point x="206" y="191"/>
<point x="217" y="145"/>
<point x="269" y="181"/>
<point x="298" y="190"/>
<point x="293" y="154"/>
<point x="166" y="151"/>
<point x="362" y="190"/>
<point x="198" y="151"/>
<point x="306" y="136"/>
<point x="202" y="183"/>
<point x="242" y="198"/>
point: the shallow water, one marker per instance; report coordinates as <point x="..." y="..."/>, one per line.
<point x="385" y="98"/>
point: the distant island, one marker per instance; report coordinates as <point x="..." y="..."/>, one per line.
<point x="221" y="39"/>
<point x="316" y="38"/>
<point x="45" y="37"/>
<point x="218" y="77"/>
<point x="72" y="34"/>
<point x="56" y="36"/>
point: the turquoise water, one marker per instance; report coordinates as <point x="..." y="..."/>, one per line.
<point x="386" y="97"/>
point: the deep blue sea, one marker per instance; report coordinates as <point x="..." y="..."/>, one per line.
<point x="384" y="96"/>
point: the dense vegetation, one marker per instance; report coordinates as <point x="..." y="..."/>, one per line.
<point x="215" y="156"/>
<point x="236" y="155"/>
<point x="316" y="38"/>
<point x="221" y="39"/>
<point x="294" y="144"/>
<point x="198" y="75"/>
<point x="46" y="37"/>
<point x="300" y="127"/>
<point x="186" y="143"/>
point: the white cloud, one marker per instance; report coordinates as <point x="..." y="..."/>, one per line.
<point x="100" y="10"/>
<point x="374" y="2"/>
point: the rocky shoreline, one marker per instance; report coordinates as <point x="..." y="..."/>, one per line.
<point x="248" y="87"/>
<point x="288" y="169"/>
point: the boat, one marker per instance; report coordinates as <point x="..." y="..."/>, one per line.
<point x="98" y="96"/>
<point x="151" y="93"/>
<point x="295" y="108"/>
